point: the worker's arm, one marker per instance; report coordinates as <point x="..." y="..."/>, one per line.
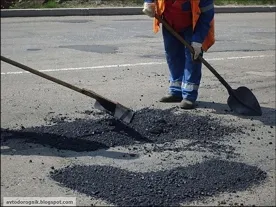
<point x="203" y="24"/>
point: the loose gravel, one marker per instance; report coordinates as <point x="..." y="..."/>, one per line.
<point x="158" y="127"/>
<point x="162" y="188"/>
<point x="148" y="126"/>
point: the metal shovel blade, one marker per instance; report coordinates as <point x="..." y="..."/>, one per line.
<point x="243" y="101"/>
<point x="123" y="113"/>
<point x="117" y="110"/>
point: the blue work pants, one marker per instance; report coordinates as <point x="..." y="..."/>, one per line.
<point x="185" y="74"/>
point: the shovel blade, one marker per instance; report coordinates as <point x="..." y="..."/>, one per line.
<point x="123" y="113"/>
<point x="117" y="110"/>
<point x="244" y="102"/>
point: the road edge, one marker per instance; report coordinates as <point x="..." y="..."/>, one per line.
<point x="107" y="11"/>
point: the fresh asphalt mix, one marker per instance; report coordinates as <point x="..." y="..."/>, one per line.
<point x="161" y="188"/>
<point x="155" y="131"/>
<point x="158" y="188"/>
<point x="149" y="126"/>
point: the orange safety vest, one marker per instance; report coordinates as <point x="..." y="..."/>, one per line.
<point x="209" y="40"/>
<point x="175" y="16"/>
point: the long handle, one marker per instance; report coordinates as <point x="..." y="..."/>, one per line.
<point x="80" y="90"/>
<point x="227" y="86"/>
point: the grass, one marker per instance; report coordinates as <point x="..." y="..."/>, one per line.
<point x="35" y="5"/>
<point x="245" y="2"/>
<point x="51" y="4"/>
<point x="24" y="4"/>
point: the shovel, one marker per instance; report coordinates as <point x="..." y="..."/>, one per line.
<point x="115" y="109"/>
<point x="240" y="100"/>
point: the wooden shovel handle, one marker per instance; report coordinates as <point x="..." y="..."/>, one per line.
<point x="170" y="29"/>
<point x="43" y="75"/>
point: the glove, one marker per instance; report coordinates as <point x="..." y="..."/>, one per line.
<point x="149" y="9"/>
<point x="197" y="50"/>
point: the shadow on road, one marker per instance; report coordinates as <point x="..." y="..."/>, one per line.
<point x="20" y="143"/>
<point x="149" y="126"/>
<point x="268" y="117"/>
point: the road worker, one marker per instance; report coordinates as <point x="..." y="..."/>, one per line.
<point x="194" y="21"/>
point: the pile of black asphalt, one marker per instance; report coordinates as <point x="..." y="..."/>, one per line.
<point x="162" y="188"/>
<point x="148" y="126"/>
<point x="128" y="188"/>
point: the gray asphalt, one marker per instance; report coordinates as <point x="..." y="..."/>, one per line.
<point x="107" y="11"/>
<point x="120" y="58"/>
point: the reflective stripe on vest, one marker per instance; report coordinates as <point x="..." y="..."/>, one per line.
<point x="206" y="8"/>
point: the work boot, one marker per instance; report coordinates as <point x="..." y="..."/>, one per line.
<point x="171" y="99"/>
<point x="186" y="104"/>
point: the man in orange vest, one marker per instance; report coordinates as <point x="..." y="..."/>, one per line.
<point x="194" y="21"/>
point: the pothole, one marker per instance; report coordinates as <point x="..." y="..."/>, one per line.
<point x="153" y="126"/>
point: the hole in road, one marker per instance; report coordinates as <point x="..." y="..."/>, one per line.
<point x="148" y="126"/>
<point x="92" y="48"/>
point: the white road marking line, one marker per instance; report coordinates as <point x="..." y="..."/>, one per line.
<point x="131" y="65"/>
<point x="267" y="74"/>
<point x="249" y="57"/>
<point x="88" y="68"/>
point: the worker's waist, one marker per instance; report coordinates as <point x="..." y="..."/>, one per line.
<point x="178" y="20"/>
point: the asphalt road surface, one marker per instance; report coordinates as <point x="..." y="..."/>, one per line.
<point x="54" y="143"/>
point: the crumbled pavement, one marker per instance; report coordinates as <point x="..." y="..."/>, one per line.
<point x="148" y="126"/>
<point x="152" y="131"/>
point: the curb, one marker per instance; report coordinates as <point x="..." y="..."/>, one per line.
<point x="107" y="11"/>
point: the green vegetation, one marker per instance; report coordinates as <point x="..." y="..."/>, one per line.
<point x="51" y="4"/>
<point x="24" y="4"/>
<point x="245" y="2"/>
<point x="35" y="5"/>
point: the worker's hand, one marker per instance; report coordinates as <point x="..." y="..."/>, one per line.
<point x="197" y="50"/>
<point x="149" y="9"/>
